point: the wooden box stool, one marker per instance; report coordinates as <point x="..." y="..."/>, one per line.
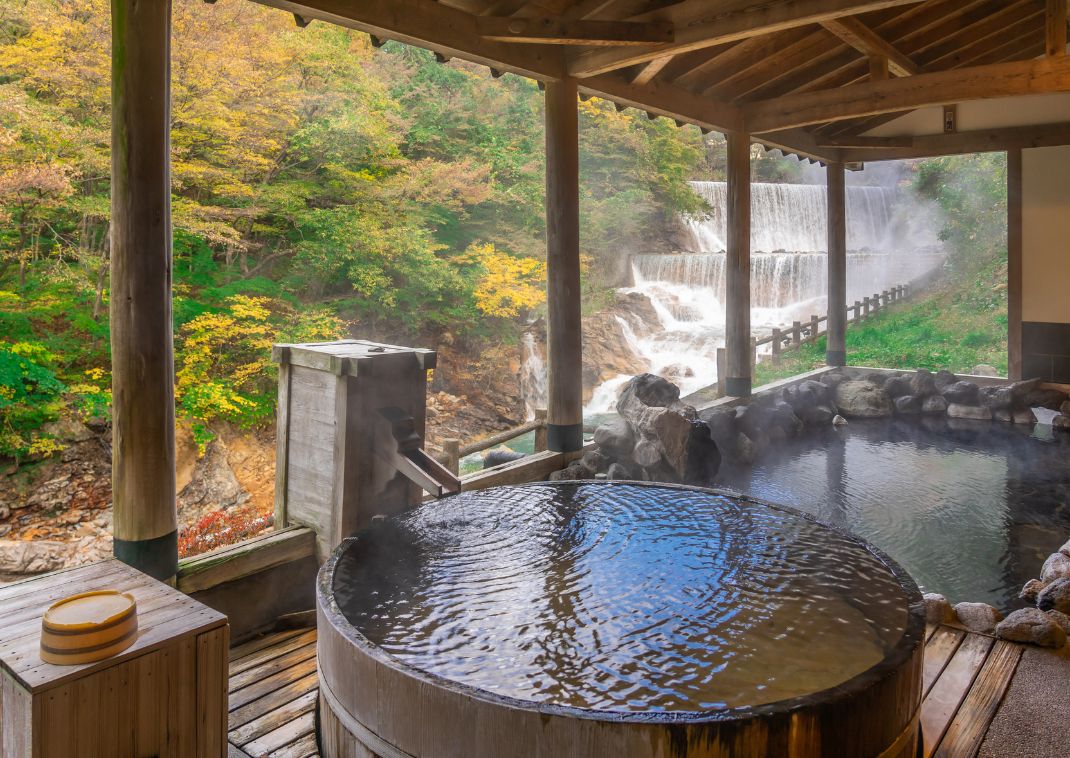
<point x="165" y="695"/>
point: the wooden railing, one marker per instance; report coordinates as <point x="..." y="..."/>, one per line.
<point x="808" y="332"/>
<point x="453" y="451"/>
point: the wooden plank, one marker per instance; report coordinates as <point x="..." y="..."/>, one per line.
<point x="302" y="748"/>
<point x="244" y="714"/>
<point x="267" y="653"/>
<point x="258" y="689"/>
<point x="16" y="717"/>
<point x="274" y="718"/>
<point x="1055" y="28"/>
<point x="942" y="702"/>
<point x="273" y="666"/>
<point x="557" y="31"/>
<point x="246" y="558"/>
<point x="212" y="691"/>
<point x="259" y="643"/>
<point x="235" y="752"/>
<point x="868" y="42"/>
<point x="651" y="69"/>
<point x="937" y="88"/>
<point x="963" y="738"/>
<point x="938" y="651"/>
<point x="700" y="24"/>
<point x="279" y="738"/>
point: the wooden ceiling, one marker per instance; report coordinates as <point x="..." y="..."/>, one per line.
<point x="809" y="76"/>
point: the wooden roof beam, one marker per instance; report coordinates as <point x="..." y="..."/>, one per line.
<point x="556" y="31"/>
<point x="450" y="32"/>
<point x="957" y="143"/>
<point x="663" y="99"/>
<point x="701" y="23"/>
<point x="868" y="42"/>
<point x="907" y="93"/>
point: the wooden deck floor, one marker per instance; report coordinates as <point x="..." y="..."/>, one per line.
<point x="273" y="692"/>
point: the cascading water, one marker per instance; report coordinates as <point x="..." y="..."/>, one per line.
<point x="890" y="240"/>
<point x="532" y="375"/>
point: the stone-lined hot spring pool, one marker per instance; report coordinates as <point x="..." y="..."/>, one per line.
<point x="970" y="509"/>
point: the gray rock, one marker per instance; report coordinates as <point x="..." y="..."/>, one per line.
<point x="897" y="386"/>
<point x="961" y="393"/>
<point x="1021" y="389"/>
<point x="934" y="404"/>
<point x="654" y="391"/>
<point x="997" y="397"/>
<point x="615" y="438"/>
<point x="983" y="369"/>
<point x="978" y="617"/>
<point x="876" y="377"/>
<point x="908" y="404"/>
<point x="777" y="435"/>
<point x="595" y="462"/>
<point x="839" y="420"/>
<point x="1064" y="407"/>
<point x="944" y="378"/>
<point x="1056" y="567"/>
<point x="923" y="383"/>
<point x="745" y="449"/>
<point x="722" y="424"/>
<point x="1024" y="416"/>
<point x="1065" y="549"/>
<point x="1005" y="415"/>
<point x="620" y="471"/>
<point x="1055" y="597"/>
<point x="937" y="609"/>
<point x="494" y="458"/>
<point x="862" y="400"/>
<point x="1033" y="626"/>
<point x="1030" y="591"/>
<point x="1045" y="398"/>
<point x="974" y="412"/>
<point x="831" y="379"/>
<point x="571" y="472"/>
<point x="1061" y="422"/>
<point x="1061" y="619"/>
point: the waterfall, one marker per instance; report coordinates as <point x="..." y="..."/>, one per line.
<point x="891" y="240"/>
<point x="532" y="375"/>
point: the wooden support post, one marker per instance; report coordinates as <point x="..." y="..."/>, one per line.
<point x="884" y="299"/>
<point x="564" y="344"/>
<point x="796" y="334"/>
<point x="1014" y="264"/>
<point x="738" y="343"/>
<point x="876" y="302"/>
<point x="540" y="431"/>
<point x="858" y="311"/>
<point x="865" y="308"/>
<point x="776" y="346"/>
<point x="452" y="449"/>
<point x="144" y="518"/>
<point x="1055" y="28"/>
<point x="753" y="354"/>
<point x="721" y="363"/>
<point x="836" y="345"/>
<point x="815" y="322"/>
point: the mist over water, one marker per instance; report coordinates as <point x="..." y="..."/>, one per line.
<point x="891" y="238"/>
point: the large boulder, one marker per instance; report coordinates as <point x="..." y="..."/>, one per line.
<point x="1033" y="626"/>
<point x="1056" y="567"/>
<point x="897" y="386"/>
<point x="923" y="383"/>
<point x="937" y="609"/>
<point x="961" y="393"/>
<point x="615" y="438"/>
<point x="973" y="412"/>
<point x="862" y="399"/>
<point x="722" y="425"/>
<point x="997" y="398"/>
<point x="670" y="440"/>
<point x="1055" y="597"/>
<point x="934" y="404"/>
<point x="908" y="404"/>
<point x="1031" y="591"/>
<point x="978" y="617"/>
<point x="944" y="378"/>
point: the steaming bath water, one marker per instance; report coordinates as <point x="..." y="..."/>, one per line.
<point x="970" y="509"/>
<point x="623" y="597"/>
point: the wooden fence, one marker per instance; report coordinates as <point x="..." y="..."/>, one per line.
<point x="453" y="451"/>
<point x="808" y="332"/>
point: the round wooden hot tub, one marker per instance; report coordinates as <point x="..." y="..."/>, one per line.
<point x="615" y="620"/>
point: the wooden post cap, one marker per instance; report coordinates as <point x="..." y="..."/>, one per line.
<point x="88" y="627"/>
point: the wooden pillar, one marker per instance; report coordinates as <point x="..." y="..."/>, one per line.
<point x="564" y="346"/>
<point x="143" y="402"/>
<point x="836" y="345"/>
<point x="1014" y="264"/>
<point x="1055" y="28"/>
<point x="738" y="352"/>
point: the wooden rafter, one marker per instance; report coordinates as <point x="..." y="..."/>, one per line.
<point x="868" y="42"/>
<point x="651" y="69"/>
<point x="975" y="83"/>
<point x="957" y="143"/>
<point x="556" y="31"/>
<point x="699" y="25"/>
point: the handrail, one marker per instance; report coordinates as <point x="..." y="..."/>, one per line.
<point x="452" y="451"/>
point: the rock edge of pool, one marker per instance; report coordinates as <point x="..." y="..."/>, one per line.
<point x="615" y="618"/>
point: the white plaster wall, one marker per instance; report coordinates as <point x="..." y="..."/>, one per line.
<point x="976" y="115"/>
<point x="1046" y="234"/>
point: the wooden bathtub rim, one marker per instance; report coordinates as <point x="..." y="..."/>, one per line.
<point x="904" y="659"/>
